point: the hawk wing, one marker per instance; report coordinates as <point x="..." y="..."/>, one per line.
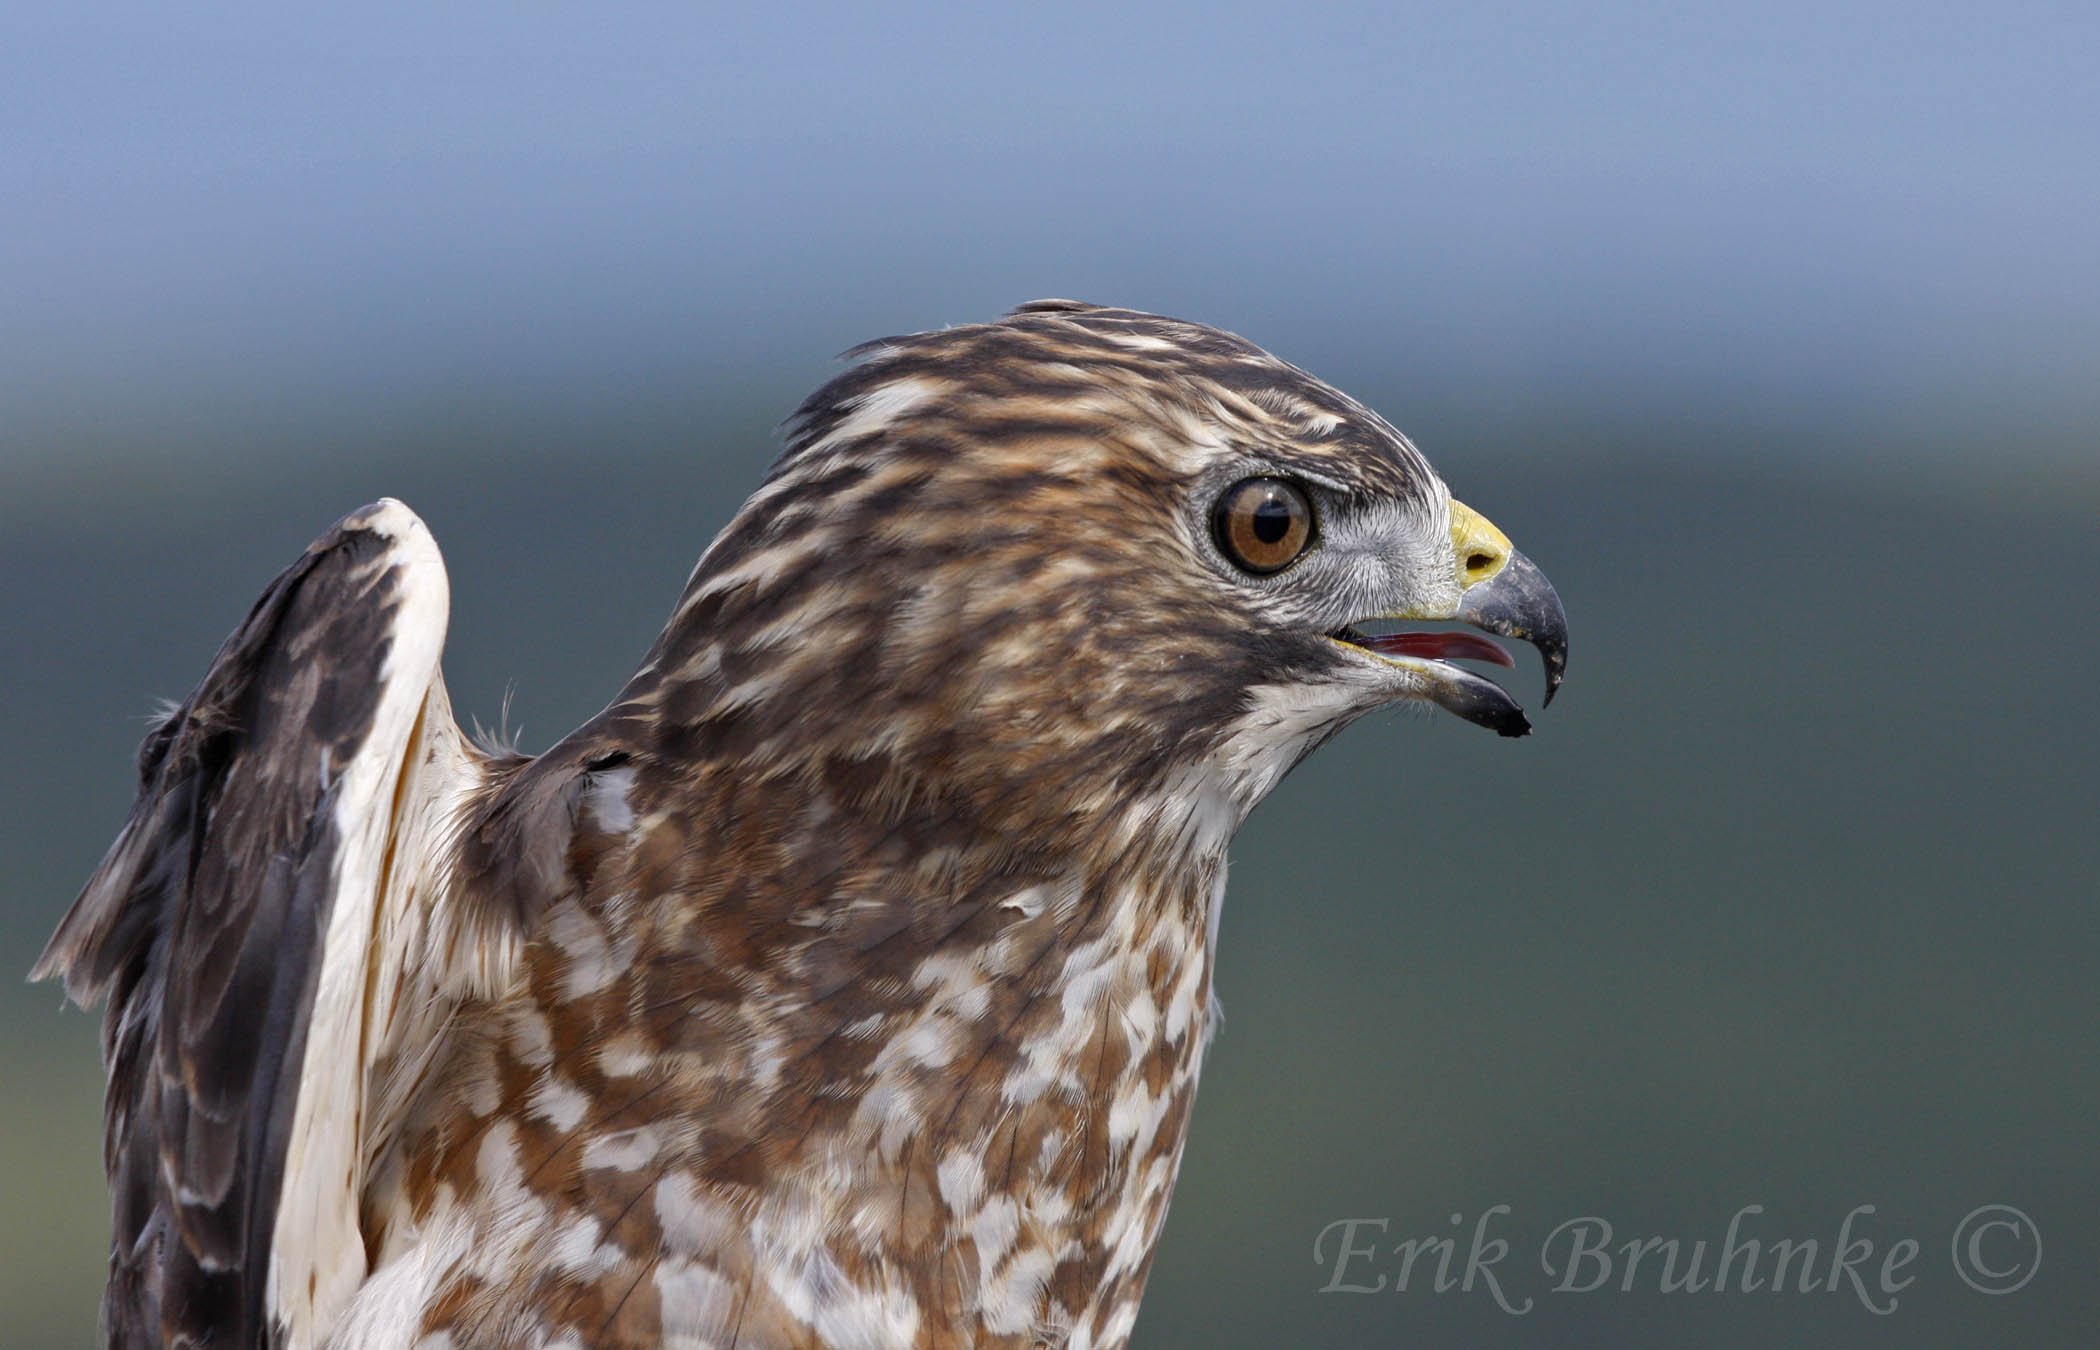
<point x="277" y="934"/>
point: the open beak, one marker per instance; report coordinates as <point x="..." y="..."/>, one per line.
<point x="1501" y="592"/>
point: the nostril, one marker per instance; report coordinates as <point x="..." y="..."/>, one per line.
<point x="1480" y="562"/>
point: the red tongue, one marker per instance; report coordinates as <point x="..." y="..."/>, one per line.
<point x="1440" y="647"/>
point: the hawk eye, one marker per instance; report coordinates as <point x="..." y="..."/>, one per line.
<point x="1262" y="524"/>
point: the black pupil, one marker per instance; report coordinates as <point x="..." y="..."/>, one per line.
<point x="1272" y="519"/>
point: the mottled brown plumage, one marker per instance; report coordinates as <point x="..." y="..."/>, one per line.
<point x="845" y="982"/>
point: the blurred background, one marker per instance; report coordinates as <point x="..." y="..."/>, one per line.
<point x="1771" y="331"/>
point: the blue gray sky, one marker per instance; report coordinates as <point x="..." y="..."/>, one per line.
<point x="225" y="221"/>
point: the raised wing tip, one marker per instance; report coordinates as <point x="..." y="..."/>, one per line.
<point x="389" y="518"/>
<point x="411" y="547"/>
<point x="374" y="581"/>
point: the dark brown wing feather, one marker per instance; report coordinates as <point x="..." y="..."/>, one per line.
<point x="204" y="927"/>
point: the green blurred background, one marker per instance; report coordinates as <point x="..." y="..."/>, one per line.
<point x="1772" y="334"/>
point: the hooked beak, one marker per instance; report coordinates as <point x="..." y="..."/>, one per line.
<point x="1501" y="592"/>
<point x="1518" y="602"/>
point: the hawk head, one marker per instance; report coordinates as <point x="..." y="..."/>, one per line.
<point x="1052" y="563"/>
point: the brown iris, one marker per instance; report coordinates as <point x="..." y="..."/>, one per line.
<point x="1263" y="524"/>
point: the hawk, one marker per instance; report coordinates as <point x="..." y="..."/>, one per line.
<point x="846" y="980"/>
